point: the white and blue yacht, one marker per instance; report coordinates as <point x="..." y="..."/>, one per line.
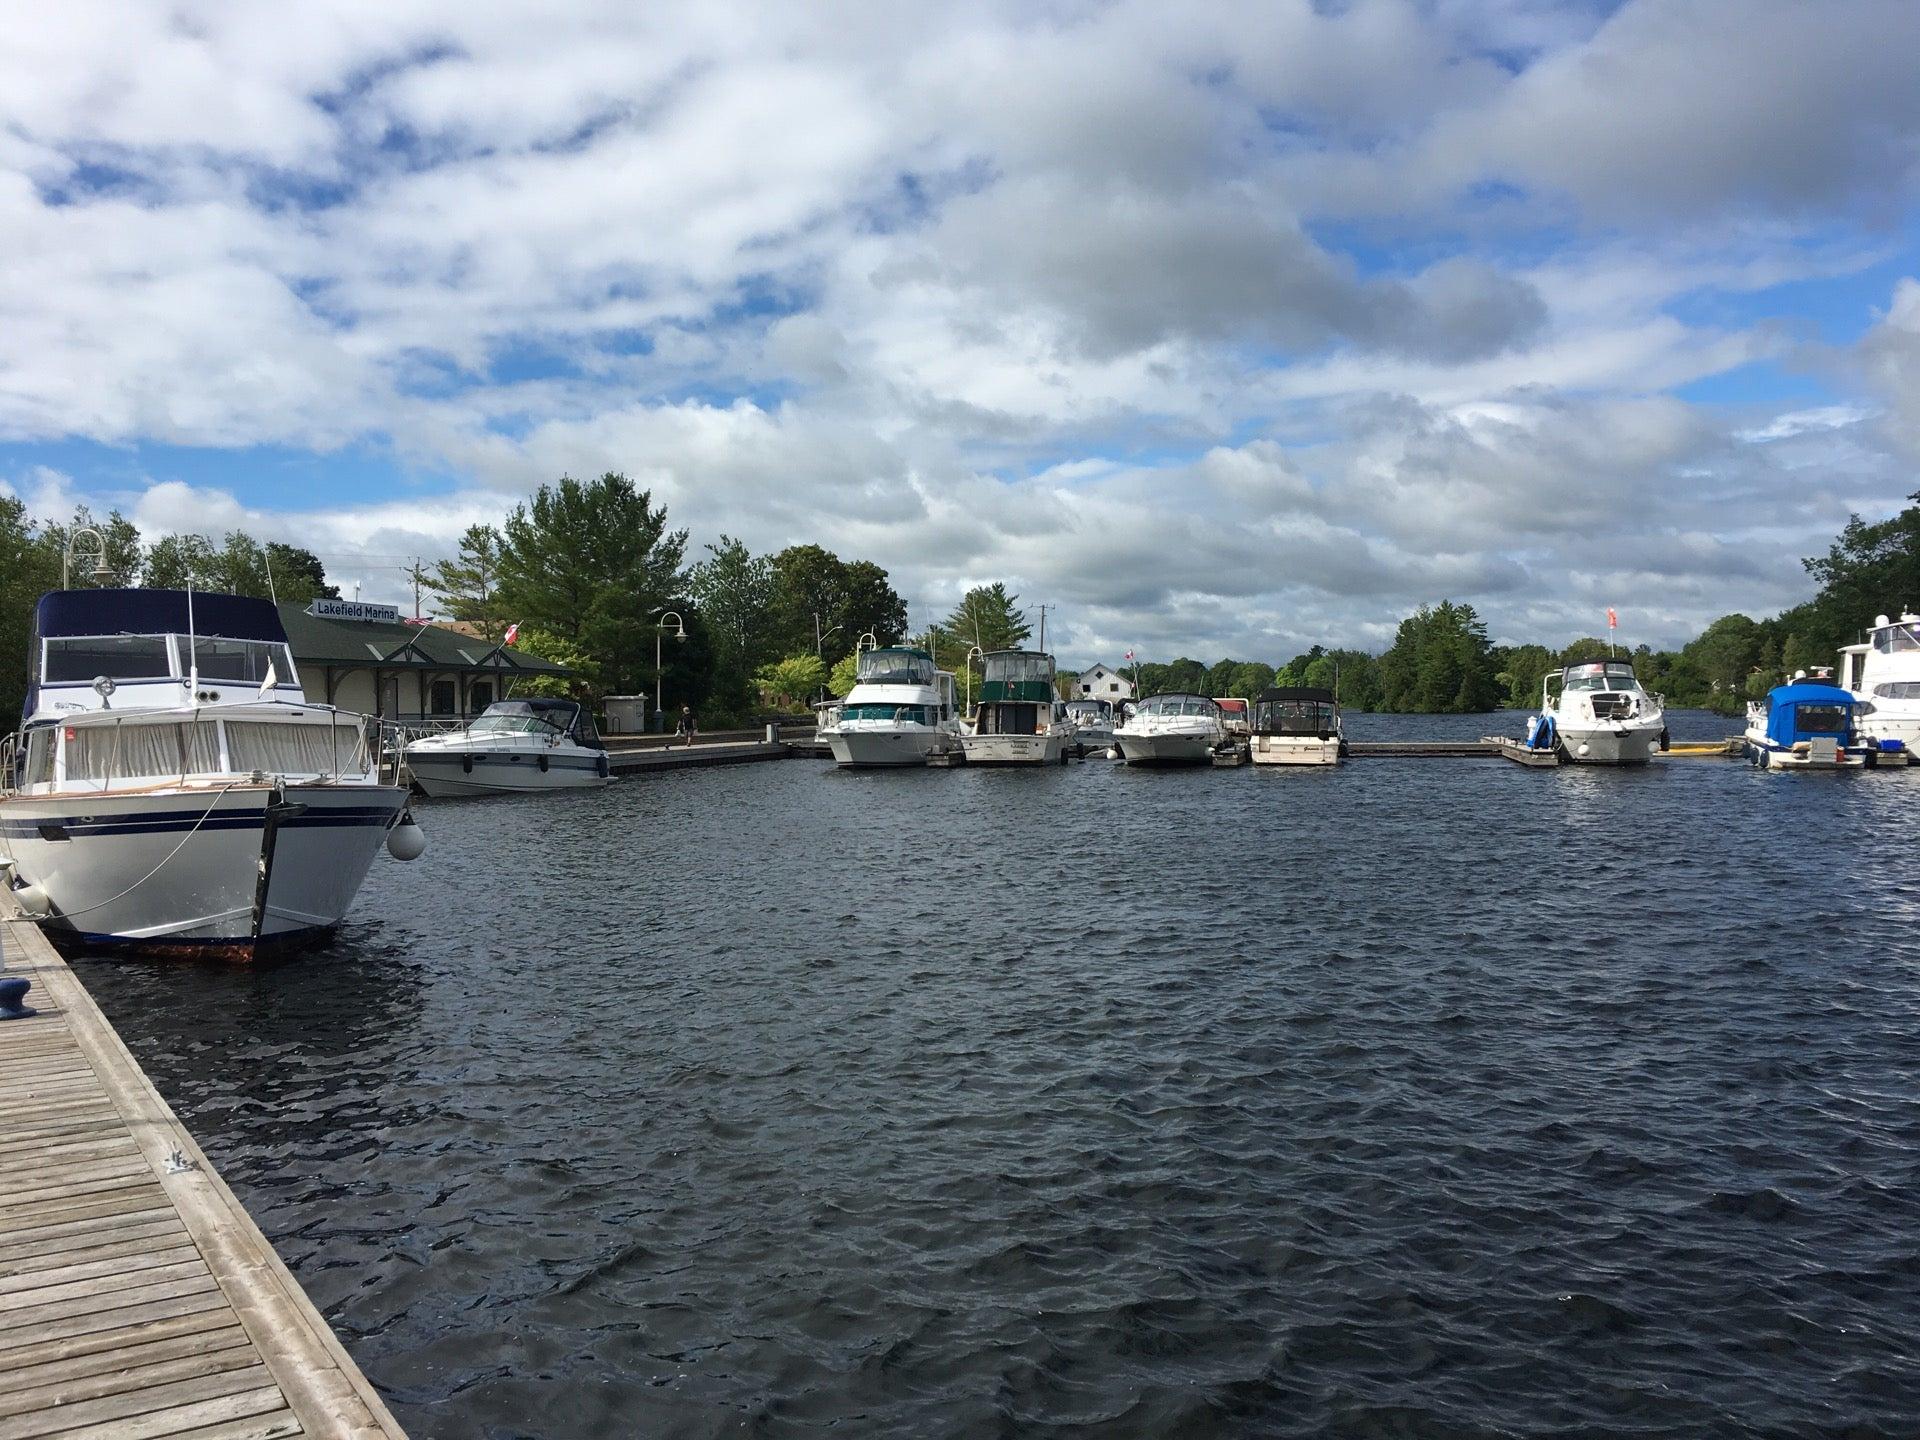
<point x="173" y="791"/>
<point x="1808" y="724"/>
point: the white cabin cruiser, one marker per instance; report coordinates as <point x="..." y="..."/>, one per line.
<point x="900" y="711"/>
<point x="1296" y="725"/>
<point x="515" y="747"/>
<point x="173" y="791"/>
<point x="1600" y="715"/>
<point x="1092" y="722"/>
<point x="1885" y="674"/>
<point x="1172" y="729"/>
<point x="1016" y="723"/>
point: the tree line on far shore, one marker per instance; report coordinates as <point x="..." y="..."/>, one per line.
<point x="598" y="583"/>
<point x="1442" y="661"/>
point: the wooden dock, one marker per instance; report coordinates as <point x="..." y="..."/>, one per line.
<point x="639" y="760"/>
<point x="138" y="1300"/>
<point x="1423" y="749"/>
<point x="1521" y="753"/>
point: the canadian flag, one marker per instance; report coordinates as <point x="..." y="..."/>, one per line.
<point x="513" y="632"/>
<point x="1129" y="654"/>
<point x="1613" y="620"/>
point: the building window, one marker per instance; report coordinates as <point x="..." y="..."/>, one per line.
<point x="1114" y="687"/>
<point x="480" y="696"/>
<point x="443" y="700"/>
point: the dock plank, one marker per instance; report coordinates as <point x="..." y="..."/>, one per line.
<point x="137" y="1298"/>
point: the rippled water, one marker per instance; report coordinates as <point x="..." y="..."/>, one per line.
<point x="1418" y="1098"/>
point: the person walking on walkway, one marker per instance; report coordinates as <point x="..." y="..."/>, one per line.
<point x="686" y="726"/>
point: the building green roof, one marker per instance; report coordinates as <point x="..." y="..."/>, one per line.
<point x="400" y="645"/>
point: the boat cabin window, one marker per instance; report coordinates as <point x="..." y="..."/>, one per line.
<point x="282" y="749"/>
<point x="1090" y="709"/>
<point x="1293" y="717"/>
<point x="39" y="757"/>
<point x="120" y="657"/>
<point x="1820" y="719"/>
<point x="902" y="714"/>
<point x="895" y="667"/>
<point x="1897" y="690"/>
<point x="1897" y="639"/>
<point x="113" y="752"/>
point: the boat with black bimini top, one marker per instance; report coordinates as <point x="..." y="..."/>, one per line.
<point x="515" y="747"/>
<point x="1015" y="723"/>
<point x="1296" y="725"/>
<point x="173" y="791"/>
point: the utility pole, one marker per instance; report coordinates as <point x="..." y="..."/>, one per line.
<point x="1043" y="622"/>
<point x="417" y="573"/>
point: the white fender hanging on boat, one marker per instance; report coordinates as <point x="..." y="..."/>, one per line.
<point x="406" y="840"/>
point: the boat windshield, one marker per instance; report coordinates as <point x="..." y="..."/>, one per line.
<point x="895" y="667"/>
<point x="119" y="657"/>
<point x="243" y="660"/>
<point x="506" y="722"/>
<point x="1897" y="639"/>
<point x="1089" y="709"/>
<point x="1292" y="717"/>
<point x="1594" y="677"/>
<point x="1165" y="706"/>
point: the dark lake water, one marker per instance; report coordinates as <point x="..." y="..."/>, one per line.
<point x="1416" y="1098"/>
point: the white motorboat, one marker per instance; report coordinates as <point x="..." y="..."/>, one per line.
<point x="1172" y="729"/>
<point x="1600" y="715"/>
<point x="900" y="711"/>
<point x="1296" y="725"/>
<point x="1016" y="722"/>
<point x="515" y="747"/>
<point x="1092" y="722"/>
<point x="1808" y="725"/>
<point x="173" y="791"/>
<point x="1884" y="673"/>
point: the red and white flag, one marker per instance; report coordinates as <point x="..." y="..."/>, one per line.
<point x="513" y="632"/>
<point x="1129" y="654"/>
<point x="1613" y="620"/>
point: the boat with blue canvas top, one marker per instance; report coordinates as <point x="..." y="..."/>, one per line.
<point x="171" y="789"/>
<point x="1807" y="724"/>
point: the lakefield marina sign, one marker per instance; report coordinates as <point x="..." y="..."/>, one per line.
<point x="353" y="610"/>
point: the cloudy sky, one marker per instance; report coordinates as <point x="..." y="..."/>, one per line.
<point x="1222" y="328"/>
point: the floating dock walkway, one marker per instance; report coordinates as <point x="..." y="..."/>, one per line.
<point x="138" y="1300"/>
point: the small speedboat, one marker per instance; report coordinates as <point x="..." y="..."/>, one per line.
<point x="1807" y="724"/>
<point x="1015" y="723"/>
<point x="1598" y="714"/>
<point x="1172" y="729"/>
<point x="1092" y="724"/>
<point x="1296" y="725"/>
<point x="516" y="747"/>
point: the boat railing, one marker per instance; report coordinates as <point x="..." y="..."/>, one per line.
<point x="9" y="762"/>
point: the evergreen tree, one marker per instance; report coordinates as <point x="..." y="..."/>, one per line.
<point x="469" y="584"/>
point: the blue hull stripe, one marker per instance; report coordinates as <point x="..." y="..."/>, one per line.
<point x="162" y="821"/>
<point x="442" y="762"/>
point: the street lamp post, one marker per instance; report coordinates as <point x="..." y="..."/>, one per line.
<point x="101" y="570"/>
<point x="659" y="672"/>
<point x="967" y="662"/>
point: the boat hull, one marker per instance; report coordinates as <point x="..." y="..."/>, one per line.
<point x="447" y="773"/>
<point x="1295" y="750"/>
<point x="1610" y="745"/>
<point x="1768" y="755"/>
<point x="177" y="872"/>
<point x="1166" y="749"/>
<point x="1014" y="749"/>
<point x="894" y="747"/>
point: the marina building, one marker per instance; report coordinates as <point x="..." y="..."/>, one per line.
<point x="371" y="659"/>
<point x="1100" y="683"/>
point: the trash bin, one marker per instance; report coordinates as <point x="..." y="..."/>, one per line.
<point x="626" y="714"/>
